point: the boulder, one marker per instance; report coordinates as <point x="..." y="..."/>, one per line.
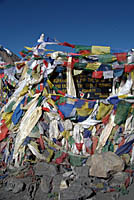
<point x="46" y="184"/>
<point x="118" y="179"/>
<point x="82" y="171"/>
<point x="76" y="191"/>
<point x="44" y="169"/>
<point x="104" y="163"/>
<point x="15" y="185"/>
<point x="56" y="183"/>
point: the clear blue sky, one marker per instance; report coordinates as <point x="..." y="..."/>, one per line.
<point x="100" y="22"/>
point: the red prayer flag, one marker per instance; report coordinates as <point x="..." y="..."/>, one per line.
<point x="97" y="74"/>
<point x="1" y="75"/>
<point x="22" y="54"/>
<point x="121" y="57"/>
<point x="129" y="68"/>
<point x="83" y="52"/>
<point x="3" y="130"/>
<point x="67" y="44"/>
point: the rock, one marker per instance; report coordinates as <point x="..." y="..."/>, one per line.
<point x="41" y="195"/>
<point x="76" y="191"/>
<point x="82" y="171"/>
<point x="31" y="191"/>
<point x="19" y="187"/>
<point x="104" y="163"/>
<point x="115" y="196"/>
<point x="108" y="196"/>
<point x="45" y="169"/>
<point x="14" y="185"/>
<point x="88" y="162"/>
<point x="46" y="184"/>
<point x="10" y="184"/>
<point x="56" y="183"/>
<point x="85" y="181"/>
<point x="118" y="179"/>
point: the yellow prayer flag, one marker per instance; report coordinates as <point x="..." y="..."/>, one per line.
<point x="97" y="50"/>
<point x="28" y="48"/>
<point x="93" y="66"/>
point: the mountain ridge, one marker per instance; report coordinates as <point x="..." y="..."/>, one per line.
<point x="7" y="56"/>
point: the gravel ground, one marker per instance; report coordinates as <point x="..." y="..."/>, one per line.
<point x="6" y="195"/>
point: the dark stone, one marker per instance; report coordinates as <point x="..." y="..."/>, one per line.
<point x="14" y="185"/>
<point x="76" y="191"/>
<point x="19" y="187"/>
<point x="45" y="184"/>
<point x="31" y="191"/>
<point x="118" y="179"/>
<point x="56" y="183"/>
<point x="44" y="169"/>
<point x="82" y="171"/>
